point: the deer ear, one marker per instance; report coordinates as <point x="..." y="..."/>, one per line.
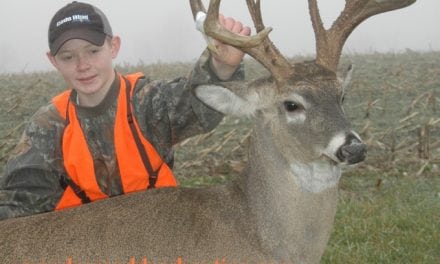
<point x="347" y="77"/>
<point x="227" y="101"/>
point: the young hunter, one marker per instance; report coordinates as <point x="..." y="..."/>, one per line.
<point x="107" y="134"/>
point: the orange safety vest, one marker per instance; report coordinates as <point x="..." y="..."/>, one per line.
<point x="140" y="165"/>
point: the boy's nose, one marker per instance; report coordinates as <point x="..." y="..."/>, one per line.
<point x="83" y="63"/>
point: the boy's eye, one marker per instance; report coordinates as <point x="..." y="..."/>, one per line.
<point x="66" y="57"/>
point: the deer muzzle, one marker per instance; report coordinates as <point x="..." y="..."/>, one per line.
<point x="352" y="151"/>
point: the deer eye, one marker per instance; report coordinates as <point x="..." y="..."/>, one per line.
<point x="291" y="106"/>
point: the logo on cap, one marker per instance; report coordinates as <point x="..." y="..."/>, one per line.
<point x="73" y="18"/>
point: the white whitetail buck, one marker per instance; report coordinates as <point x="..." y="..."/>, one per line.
<point x="280" y="211"/>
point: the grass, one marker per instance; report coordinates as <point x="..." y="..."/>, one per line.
<point x="394" y="222"/>
<point x="389" y="208"/>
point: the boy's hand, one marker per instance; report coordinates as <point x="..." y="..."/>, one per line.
<point x="228" y="58"/>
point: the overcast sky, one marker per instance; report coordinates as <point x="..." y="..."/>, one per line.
<point x="163" y="30"/>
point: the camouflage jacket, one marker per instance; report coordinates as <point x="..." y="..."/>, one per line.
<point x="167" y="112"/>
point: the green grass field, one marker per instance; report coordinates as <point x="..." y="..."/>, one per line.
<point x="394" y="222"/>
<point x="389" y="209"/>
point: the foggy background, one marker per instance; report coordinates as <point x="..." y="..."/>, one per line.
<point x="163" y="30"/>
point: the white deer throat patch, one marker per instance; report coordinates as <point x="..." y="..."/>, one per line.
<point x="315" y="177"/>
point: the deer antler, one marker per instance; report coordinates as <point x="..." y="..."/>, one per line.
<point x="259" y="46"/>
<point x="329" y="43"/>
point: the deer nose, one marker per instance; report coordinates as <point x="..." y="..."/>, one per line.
<point x="353" y="150"/>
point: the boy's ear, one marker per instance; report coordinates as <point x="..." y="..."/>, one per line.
<point x="116" y="45"/>
<point x="51" y="59"/>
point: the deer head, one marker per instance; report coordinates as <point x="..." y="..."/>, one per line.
<point x="302" y="102"/>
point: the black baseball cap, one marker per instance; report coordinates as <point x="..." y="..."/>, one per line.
<point x="78" y="21"/>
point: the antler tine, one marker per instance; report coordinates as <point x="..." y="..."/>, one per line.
<point x="258" y="46"/>
<point x="267" y="53"/>
<point x="213" y="28"/>
<point x="329" y="43"/>
<point x="196" y="7"/>
<point x="255" y="11"/>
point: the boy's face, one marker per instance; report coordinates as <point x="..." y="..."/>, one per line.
<point x="87" y="68"/>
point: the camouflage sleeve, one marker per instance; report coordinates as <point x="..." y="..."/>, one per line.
<point x="169" y="112"/>
<point x="202" y="73"/>
<point x="30" y="184"/>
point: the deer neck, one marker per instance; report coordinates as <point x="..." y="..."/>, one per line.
<point x="287" y="215"/>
